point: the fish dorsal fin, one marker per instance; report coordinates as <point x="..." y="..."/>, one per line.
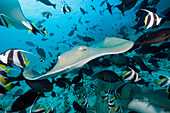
<point x="25" y="58"/>
<point x="162" y="77"/>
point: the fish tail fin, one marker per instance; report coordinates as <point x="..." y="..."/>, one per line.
<point x="9" y="71"/>
<point x="9" y="86"/>
<point x="18" y="84"/>
<point x="159" y="20"/>
<point x="150" y="72"/>
<point x="163" y="20"/>
<point x="54" y="5"/>
<point x="27" y="63"/>
<point x="120" y="7"/>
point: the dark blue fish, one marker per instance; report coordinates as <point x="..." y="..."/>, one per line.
<point x="83" y="11"/>
<point x="71" y="33"/>
<point x="48" y="3"/>
<point x="109" y="8"/>
<point x="41" y="52"/>
<point x="25" y="101"/>
<point x="30" y="43"/>
<point x="102" y="3"/>
<point x="126" y="5"/>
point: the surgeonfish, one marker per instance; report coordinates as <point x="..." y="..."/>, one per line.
<point x="126" y="5"/>
<point x="46" y="14"/>
<point x="48" y="3"/>
<point x="109" y="8"/>
<point x="42" y="53"/>
<point x="66" y="9"/>
<point x="25" y="100"/>
<point x="15" y="57"/>
<point x="11" y="14"/>
<point x="151" y="19"/>
<point x="83" y="11"/>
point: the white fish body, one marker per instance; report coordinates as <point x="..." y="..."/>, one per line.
<point x="152" y="21"/>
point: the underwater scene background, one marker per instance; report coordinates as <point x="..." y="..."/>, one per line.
<point x="41" y="71"/>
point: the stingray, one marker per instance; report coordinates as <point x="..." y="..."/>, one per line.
<point x="80" y="55"/>
<point x="11" y="13"/>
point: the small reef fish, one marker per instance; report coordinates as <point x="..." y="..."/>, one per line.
<point x="4" y="86"/>
<point x="78" y="108"/>
<point x="84" y="102"/>
<point x="4" y="71"/>
<point x="102" y="3"/>
<point x="25" y="100"/>
<point x="165" y="83"/>
<point x="83" y="11"/>
<point x="126" y="5"/>
<point x="151" y="20"/>
<point x="15" y="57"/>
<point x="42" y="28"/>
<point x="4" y="21"/>
<point x="48" y="3"/>
<point x="109" y="8"/>
<point x="66" y="9"/>
<point x="41" y="52"/>
<point x="46" y="14"/>
<point x="30" y="43"/>
<point x="131" y="76"/>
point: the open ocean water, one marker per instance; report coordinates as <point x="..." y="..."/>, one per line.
<point x="36" y="34"/>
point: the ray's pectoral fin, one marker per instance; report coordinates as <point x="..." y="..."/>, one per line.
<point x="30" y="74"/>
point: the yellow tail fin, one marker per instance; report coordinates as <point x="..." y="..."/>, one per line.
<point x="27" y="63"/>
<point x="9" y="71"/>
<point x="9" y="86"/>
<point x="3" y="80"/>
<point x="3" y="66"/>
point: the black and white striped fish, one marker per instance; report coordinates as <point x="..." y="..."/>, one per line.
<point x="14" y="57"/>
<point x="4" y="21"/>
<point x="131" y="76"/>
<point x="66" y="8"/>
<point x="151" y="19"/>
<point x="164" y="81"/>
<point x="84" y="102"/>
<point x="111" y="103"/>
<point x="4" y="71"/>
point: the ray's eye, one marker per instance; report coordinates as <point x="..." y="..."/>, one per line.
<point x="82" y="48"/>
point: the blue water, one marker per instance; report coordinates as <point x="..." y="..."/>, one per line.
<point x="110" y="25"/>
